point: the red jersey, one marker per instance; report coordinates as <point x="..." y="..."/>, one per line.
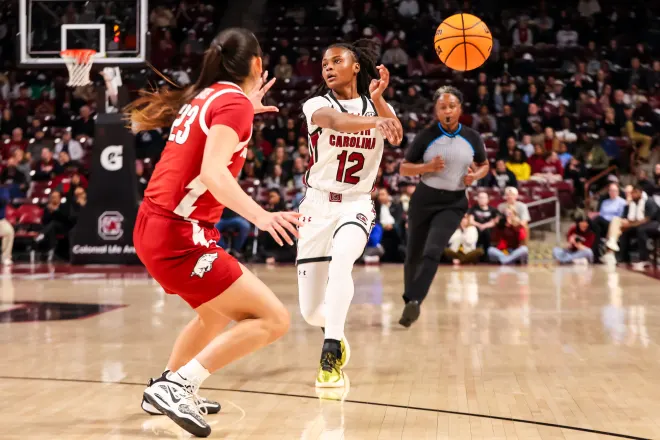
<point x="176" y="185"/>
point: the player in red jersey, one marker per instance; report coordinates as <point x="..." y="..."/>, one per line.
<point x="175" y="235"/>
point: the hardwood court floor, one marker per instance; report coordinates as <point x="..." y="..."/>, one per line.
<point x="534" y="353"/>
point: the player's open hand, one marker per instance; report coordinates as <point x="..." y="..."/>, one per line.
<point x="278" y="223"/>
<point x="378" y="86"/>
<point x="257" y="95"/>
<point x="390" y="129"/>
<point x="468" y="179"/>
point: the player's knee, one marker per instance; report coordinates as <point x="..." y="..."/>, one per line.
<point x="278" y="323"/>
<point x="312" y="314"/>
<point x="433" y="252"/>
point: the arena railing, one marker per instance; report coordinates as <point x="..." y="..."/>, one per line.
<point x="556" y="218"/>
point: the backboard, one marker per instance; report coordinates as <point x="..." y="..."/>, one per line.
<point x="117" y="30"/>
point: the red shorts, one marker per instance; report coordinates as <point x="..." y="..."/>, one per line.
<point x="183" y="256"/>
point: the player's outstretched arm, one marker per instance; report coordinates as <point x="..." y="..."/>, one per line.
<point x="376" y="89"/>
<point x="327" y="117"/>
<point x="215" y="175"/>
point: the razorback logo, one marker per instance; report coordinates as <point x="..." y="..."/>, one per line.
<point x="204" y="264"/>
<point x="362" y="218"/>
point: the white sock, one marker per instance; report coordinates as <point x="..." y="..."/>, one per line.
<point x="347" y="246"/>
<point x="193" y="372"/>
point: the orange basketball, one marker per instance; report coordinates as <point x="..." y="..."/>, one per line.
<point x="463" y="42"/>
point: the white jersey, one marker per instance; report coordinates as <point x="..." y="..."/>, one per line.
<point x="342" y="163"/>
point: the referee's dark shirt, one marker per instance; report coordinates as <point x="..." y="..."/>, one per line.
<point x="459" y="149"/>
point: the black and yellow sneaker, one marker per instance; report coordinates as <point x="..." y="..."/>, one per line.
<point x="345" y="351"/>
<point x="330" y="374"/>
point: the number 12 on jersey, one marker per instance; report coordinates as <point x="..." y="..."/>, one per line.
<point x="347" y="175"/>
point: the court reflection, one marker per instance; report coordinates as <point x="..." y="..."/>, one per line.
<point x="615" y="313"/>
<point x="330" y="419"/>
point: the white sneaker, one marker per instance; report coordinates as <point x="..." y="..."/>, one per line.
<point x="639" y="266"/>
<point x="175" y="397"/>
<point x="581" y="262"/>
<point x="612" y="245"/>
<point x="211" y="407"/>
<point x="7" y="262"/>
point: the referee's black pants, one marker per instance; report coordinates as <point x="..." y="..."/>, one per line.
<point x="433" y="217"/>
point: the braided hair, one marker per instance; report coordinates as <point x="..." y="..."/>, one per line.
<point x="365" y="53"/>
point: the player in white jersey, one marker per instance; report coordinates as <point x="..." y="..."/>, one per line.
<point x="348" y="121"/>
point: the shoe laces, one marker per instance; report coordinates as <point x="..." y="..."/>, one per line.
<point x="188" y="393"/>
<point x="328" y="362"/>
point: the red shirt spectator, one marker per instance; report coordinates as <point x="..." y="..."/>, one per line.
<point x="509" y="237"/>
<point x="586" y="237"/>
<point x="16" y="141"/>
<point x="537" y="160"/>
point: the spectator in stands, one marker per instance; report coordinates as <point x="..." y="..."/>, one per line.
<point x="386" y="235"/>
<point x="462" y="247"/>
<point x="508" y="240"/>
<point x="581" y="239"/>
<point x="522" y="34"/>
<point x="16" y="141"/>
<point x="283" y="71"/>
<point x="611" y="207"/>
<point x="305" y="69"/>
<point x="22" y="164"/>
<point x="83" y="127"/>
<point x="641" y="220"/>
<point x="634" y="127"/>
<point x="408" y="8"/>
<point x="46" y="168"/>
<point x="519" y="167"/>
<point x="232" y="222"/>
<point x="395" y="55"/>
<point x="11" y="177"/>
<point x="501" y="176"/>
<point x="537" y="161"/>
<point x="563" y="155"/>
<point x="483" y="217"/>
<point x="567" y="37"/>
<point x="512" y="203"/>
<point x="275" y="178"/>
<point x="552" y="171"/>
<point x="78" y="199"/>
<point x="6" y="229"/>
<point x="56" y="220"/>
<point x="269" y="250"/>
<point x="526" y="145"/>
<point x="70" y="146"/>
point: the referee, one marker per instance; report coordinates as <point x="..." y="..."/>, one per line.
<point x="449" y="158"/>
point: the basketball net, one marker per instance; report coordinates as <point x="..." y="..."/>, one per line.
<point x="79" y="64"/>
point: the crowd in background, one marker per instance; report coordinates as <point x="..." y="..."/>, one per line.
<point x="571" y="92"/>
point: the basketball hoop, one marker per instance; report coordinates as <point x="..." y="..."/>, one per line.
<point x="79" y="63"/>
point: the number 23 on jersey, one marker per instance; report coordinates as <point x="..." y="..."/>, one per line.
<point x="181" y="126"/>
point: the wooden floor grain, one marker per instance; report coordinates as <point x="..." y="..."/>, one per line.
<point x="533" y="353"/>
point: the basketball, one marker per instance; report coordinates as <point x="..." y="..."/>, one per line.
<point x="463" y="42"/>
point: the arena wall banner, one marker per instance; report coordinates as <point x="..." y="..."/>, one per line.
<point x="104" y="231"/>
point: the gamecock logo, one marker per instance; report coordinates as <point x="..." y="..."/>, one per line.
<point x="111" y="225"/>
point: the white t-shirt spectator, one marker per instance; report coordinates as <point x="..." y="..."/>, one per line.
<point x="409" y="8"/>
<point x="588" y="8"/>
<point x="76" y="151"/>
<point x="394" y="56"/>
<point x="567" y="38"/>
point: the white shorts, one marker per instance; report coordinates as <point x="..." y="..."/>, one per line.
<point x="323" y="214"/>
